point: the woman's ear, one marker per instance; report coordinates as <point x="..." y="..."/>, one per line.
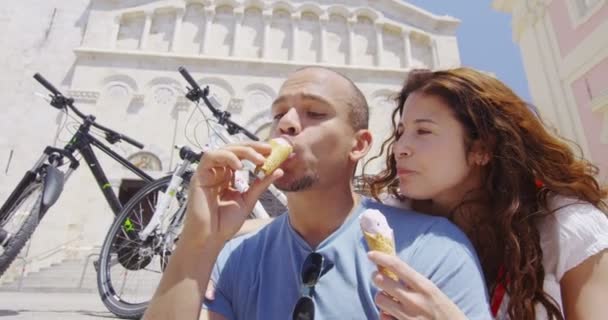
<point x="479" y="154"/>
<point x="361" y="144"/>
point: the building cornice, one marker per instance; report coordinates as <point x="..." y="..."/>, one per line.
<point x="524" y="13"/>
<point x="84" y="52"/>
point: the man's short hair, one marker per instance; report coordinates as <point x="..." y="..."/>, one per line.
<point x="358" y="114"/>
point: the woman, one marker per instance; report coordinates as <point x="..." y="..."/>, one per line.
<point x="467" y="148"/>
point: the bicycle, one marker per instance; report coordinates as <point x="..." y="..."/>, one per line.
<point x="41" y="186"/>
<point x="145" y="233"/>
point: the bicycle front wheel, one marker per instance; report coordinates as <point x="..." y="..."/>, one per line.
<point x="20" y="221"/>
<point x="130" y="268"/>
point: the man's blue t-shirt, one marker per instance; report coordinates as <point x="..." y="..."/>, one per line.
<point x="258" y="276"/>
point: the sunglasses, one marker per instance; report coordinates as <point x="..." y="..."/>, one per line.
<point x="312" y="269"/>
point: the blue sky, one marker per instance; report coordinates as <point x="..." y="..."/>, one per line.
<point x="484" y="39"/>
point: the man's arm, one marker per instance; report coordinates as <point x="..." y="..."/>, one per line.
<point x="181" y="288"/>
<point x="215" y="213"/>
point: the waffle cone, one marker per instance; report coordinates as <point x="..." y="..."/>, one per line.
<point x="378" y="242"/>
<point x="280" y="152"/>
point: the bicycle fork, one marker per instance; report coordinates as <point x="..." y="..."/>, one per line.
<point x="164" y="200"/>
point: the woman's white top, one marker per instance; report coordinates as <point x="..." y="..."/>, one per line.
<point x="576" y="231"/>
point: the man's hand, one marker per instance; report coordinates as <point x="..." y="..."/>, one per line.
<point x="216" y="210"/>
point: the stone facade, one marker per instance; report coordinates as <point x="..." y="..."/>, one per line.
<point x="119" y="60"/>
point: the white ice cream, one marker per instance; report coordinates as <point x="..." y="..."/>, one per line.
<point x="373" y="221"/>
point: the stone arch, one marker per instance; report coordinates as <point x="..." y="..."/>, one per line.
<point x="310" y="7"/>
<point x="226" y="3"/>
<point x="117" y="91"/>
<point x="258" y="97"/>
<point x="339" y="10"/>
<point x="282" y="5"/>
<point x="120" y="78"/>
<point x="163" y="92"/>
<point x="254" y="4"/>
<point x="368" y="13"/>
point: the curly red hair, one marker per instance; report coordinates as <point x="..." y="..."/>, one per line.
<point x="511" y="201"/>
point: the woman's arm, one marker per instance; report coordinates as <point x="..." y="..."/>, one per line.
<point x="584" y="289"/>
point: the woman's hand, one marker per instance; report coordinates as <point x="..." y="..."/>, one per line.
<point x="413" y="297"/>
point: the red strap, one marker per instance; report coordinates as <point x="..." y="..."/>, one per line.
<point x="499" y="293"/>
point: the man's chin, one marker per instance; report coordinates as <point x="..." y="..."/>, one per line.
<point x="286" y="184"/>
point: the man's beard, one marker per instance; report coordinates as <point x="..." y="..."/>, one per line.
<point x="300" y="184"/>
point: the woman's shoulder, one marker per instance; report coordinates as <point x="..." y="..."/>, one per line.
<point x="574" y="231"/>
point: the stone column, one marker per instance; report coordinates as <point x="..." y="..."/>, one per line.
<point x="433" y="44"/>
<point x="177" y="28"/>
<point x="209" y="15"/>
<point x="407" y="49"/>
<point x="322" y="55"/>
<point x="239" y="15"/>
<point x="295" y="19"/>
<point x="379" y="45"/>
<point x="143" y="39"/>
<point x="115" y="31"/>
<point x="267" y="18"/>
<point x="350" y="57"/>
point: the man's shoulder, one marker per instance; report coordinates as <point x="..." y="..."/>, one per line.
<point x="255" y="241"/>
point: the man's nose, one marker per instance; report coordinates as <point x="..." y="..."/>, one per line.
<point x="289" y="123"/>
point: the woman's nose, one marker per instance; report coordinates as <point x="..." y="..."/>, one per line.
<point x="401" y="148"/>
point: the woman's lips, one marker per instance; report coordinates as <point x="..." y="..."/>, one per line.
<point x="405" y="172"/>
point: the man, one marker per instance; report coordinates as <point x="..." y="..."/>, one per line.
<point x="313" y="257"/>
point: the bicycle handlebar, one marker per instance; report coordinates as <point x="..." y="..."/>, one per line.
<point x="197" y="93"/>
<point x="188" y="78"/>
<point x="47" y="84"/>
<point x="60" y="101"/>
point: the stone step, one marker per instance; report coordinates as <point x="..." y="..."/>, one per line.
<point x="80" y="276"/>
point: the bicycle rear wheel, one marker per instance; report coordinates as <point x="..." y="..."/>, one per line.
<point x="20" y="221"/>
<point x="130" y="269"/>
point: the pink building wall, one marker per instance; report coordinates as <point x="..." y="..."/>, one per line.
<point x="568" y="35"/>
<point x="592" y="83"/>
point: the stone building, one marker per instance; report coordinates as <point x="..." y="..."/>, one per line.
<point x="119" y="60"/>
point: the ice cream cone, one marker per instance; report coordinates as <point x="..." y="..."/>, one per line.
<point x="281" y="149"/>
<point x="379" y="236"/>
<point x="378" y="242"/>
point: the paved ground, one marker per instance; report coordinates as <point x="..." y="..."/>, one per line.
<point x="52" y="306"/>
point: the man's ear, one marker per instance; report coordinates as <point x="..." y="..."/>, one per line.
<point x="361" y="144"/>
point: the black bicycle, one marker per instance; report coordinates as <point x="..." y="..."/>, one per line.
<point x="42" y="185"/>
